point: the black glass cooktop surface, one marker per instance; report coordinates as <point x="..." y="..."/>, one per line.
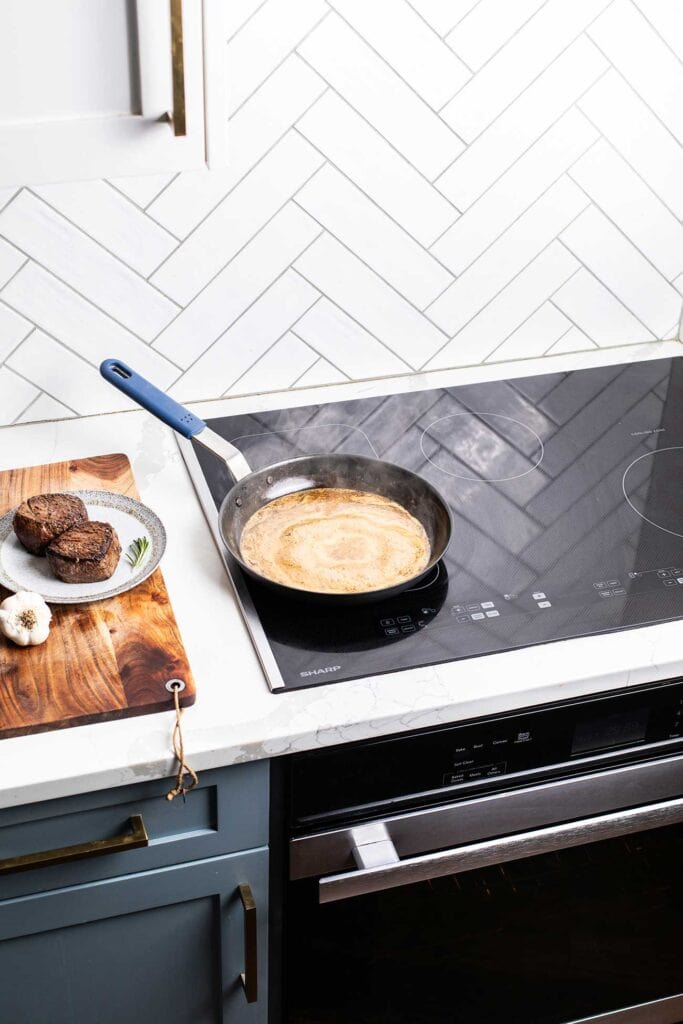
<point x="567" y="499"/>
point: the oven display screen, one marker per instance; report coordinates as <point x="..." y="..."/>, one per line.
<point x="619" y="729"/>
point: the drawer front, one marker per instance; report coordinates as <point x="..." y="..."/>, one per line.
<point x="227" y="812"/>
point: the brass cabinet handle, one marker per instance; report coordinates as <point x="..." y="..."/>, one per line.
<point x="177" y="115"/>
<point x="249" y="977"/>
<point x="133" y="840"/>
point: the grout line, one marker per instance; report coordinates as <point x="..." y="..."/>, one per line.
<point x="321" y="356"/>
<point x="12" y="197"/>
<point x="666" y="335"/>
<point x="425" y="249"/>
<point x="159" y="193"/>
<point x="505" y="287"/>
<point x="628" y="163"/>
<point x="442" y="39"/>
<point x="642" y="99"/>
<point x="467" y="13"/>
<point x="31" y="329"/>
<point x="512" y="223"/>
<point x="564" y="333"/>
<point x="372" y="270"/>
<point x="572" y="321"/>
<point x="236" y="319"/>
<point x="524" y="152"/>
<point x="489" y="59"/>
<point x="62" y="344"/>
<point x="656" y="31"/>
<point x="250" y="239"/>
<point x="533" y="313"/>
<point x="227" y="394"/>
<point x="220" y="271"/>
<point x="436" y="299"/>
<point x="239" y="181"/>
<point x="37" y="399"/>
<point x="41" y="389"/>
<point x="25" y="409"/>
<point x="594" y="205"/>
<point x="622" y="232"/>
<point x="373" y="127"/>
<point x="432" y="110"/>
<point x="526" y="319"/>
<point x="69" y="287"/>
<point x="318" y="359"/>
<point x="354" y="320"/>
<point x="246" y="21"/>
<point x="512" y="166"/>
<point x="96" y="241"/>
<point x="337" y="167"/>
<point x="505" y="43"/>
<point x="269" y="348"/>
<point x="138" y="209"/>
<point x="513" y="278"/>
<point x="294" y="50"/>
<point x="11" y="278"/>
<point x="588" y="270"/>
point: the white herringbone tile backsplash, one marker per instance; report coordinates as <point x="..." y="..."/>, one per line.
<point x="413" y="184"/>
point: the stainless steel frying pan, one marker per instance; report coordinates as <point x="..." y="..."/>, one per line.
<point x="252" y="490"/>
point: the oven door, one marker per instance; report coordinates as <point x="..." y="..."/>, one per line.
<point x="526" y="917"/>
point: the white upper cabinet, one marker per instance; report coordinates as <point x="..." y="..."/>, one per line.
<point x="103" y="88"/>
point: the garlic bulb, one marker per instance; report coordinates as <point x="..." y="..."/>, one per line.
<point x="25" y="618"/>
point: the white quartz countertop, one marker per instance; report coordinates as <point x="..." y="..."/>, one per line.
<point x="236" y="718"/>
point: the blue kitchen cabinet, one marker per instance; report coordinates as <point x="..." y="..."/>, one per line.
<point x="120" y="938"/>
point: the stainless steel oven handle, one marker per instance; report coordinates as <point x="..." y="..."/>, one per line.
<point x="391" y="872"/>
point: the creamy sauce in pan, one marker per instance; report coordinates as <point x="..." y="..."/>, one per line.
<point x="335" y="540"/>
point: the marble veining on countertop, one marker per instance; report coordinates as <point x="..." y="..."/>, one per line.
<point x="236" y="717"/>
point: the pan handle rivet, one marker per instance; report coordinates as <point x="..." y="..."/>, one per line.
<point x="238" y="502"/>
<point x="269" y="479"/>
<point x="174" y="684"/>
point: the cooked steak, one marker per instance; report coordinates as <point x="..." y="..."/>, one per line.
<point x="40" y="519"/>
<point x="87" y="553"/>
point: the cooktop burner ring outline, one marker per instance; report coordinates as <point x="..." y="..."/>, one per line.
<point x="484" y="416"/>
<point x="429" y="582"/>
<point x="649" y="455"/>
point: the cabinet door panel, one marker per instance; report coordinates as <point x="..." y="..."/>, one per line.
<point x="163" y="945"/>
<point x="59" y="63"/>
<point x="85" y="86"/>
<point x="145" y="966"/>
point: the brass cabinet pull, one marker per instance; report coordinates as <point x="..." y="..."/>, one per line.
<point x="249" y="977"/>
<point x="177" y="115"/>
<point x="133" y="840"/>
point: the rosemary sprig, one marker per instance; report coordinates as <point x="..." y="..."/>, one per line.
<point x="137" y="551"/>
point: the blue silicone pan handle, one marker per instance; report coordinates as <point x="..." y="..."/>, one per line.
<point x="151" y="398"/>
<point x="173" y="414"/>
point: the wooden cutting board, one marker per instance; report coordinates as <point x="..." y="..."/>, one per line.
<point x="109" y="659"/>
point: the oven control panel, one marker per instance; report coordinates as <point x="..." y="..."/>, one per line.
<point x="543" y="739"/>
<point x="426" y="764"/>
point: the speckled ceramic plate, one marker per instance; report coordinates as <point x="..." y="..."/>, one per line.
<point x="20" y="570"/>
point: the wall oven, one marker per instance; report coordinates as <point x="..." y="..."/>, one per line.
<point x="523" y="869"/>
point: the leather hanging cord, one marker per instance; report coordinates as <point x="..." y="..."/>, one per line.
<point x="180" y="789"/>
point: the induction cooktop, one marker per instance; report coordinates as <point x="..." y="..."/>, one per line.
<point x="567" y="497"/>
